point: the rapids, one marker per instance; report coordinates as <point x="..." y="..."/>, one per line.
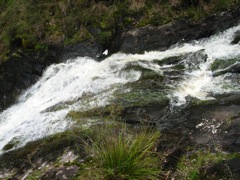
<point x="84" y="83"/>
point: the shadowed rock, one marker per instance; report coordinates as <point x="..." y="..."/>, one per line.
<point x="236" y="38"/>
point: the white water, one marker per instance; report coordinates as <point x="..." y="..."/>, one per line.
<point x="83" y="83"/>
<point x="200" y="83"/>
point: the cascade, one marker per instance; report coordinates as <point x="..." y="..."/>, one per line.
<point x="84" y="83"/>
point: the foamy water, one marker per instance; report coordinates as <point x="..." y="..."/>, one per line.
<point x="66" y="85"/>
<point x="200" y="83"/>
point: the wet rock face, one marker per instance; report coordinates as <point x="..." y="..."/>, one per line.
<point x="82" y="49"/>
<point x="24" y="69"/>
<point x="20" y="72"/>
<point x="236" y="38"/>
<point x="214" y="126"/>
<point x="210" y="125"/>
<point x="159" y="38"/>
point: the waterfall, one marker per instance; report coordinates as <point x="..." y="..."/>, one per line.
<point x="84" y="83"/>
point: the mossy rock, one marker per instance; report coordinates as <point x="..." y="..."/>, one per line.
<point x="97" y="115"/>
<point x="171" y="60"/>
<point x="48" y="148"/>
<point x="141" y="99"/>
<point x="10" y="145"/>
<point x="121" y="102"/>
<point x="223" y="63"/>
<point x="199" y="102"/>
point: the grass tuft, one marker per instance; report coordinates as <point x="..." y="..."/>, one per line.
<point x="124" y="156"/>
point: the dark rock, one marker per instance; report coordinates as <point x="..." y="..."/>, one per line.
<point x="228" y="169"/>
<point x="144" y="115"/>
<point x="236" y="38"/>
<point x="230" y="136"/>
<point x="20" y="72"/>
<point x="61" y="173"/>
<point x="209" y="125"/>
<point x="162" y="37"/>
<point x="172" y="160"/>
<point x="80" y="50"/>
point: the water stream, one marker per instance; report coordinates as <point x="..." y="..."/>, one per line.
<point x="83" y="83"/>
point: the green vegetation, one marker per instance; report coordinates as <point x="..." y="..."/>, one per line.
<point x="120" y="155"/>
<point x="111" y="151"/>
<point x="114" y="150"/>
<point x="223" y="63"/>
<point x="138" y="98"/>
<point x="36" y="174"/>
<point x="192" y="166"/>
<point x="35" y="25"/>
<point x="104" y="113"/>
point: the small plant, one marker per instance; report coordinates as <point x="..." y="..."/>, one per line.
<point x="36" y="174"/>
<point x="124" y="156"/>
<point x="190" y="166"/>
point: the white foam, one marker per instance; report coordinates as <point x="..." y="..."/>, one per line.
<point x="200" y="83"/>
<point x="67" y="85"/>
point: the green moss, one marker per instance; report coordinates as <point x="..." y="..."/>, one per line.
<point x="141" y="99"/>
<point x="39" y="46"/>
<point x="109" y="112"/>
<point x="10" y="145"/>
<point x="223" y="63"/>
<point x="104" y="36"/>
<point x="36" y="174"/>
<point x="222" y="4"/>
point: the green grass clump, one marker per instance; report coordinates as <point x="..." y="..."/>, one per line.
<point x="124" y="156"/>
<point x="191" y="166"/>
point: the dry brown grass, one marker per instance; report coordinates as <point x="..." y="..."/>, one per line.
<point x="136" y="5"/>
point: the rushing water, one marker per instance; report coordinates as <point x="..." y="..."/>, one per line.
<point x="42" y="109"/>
